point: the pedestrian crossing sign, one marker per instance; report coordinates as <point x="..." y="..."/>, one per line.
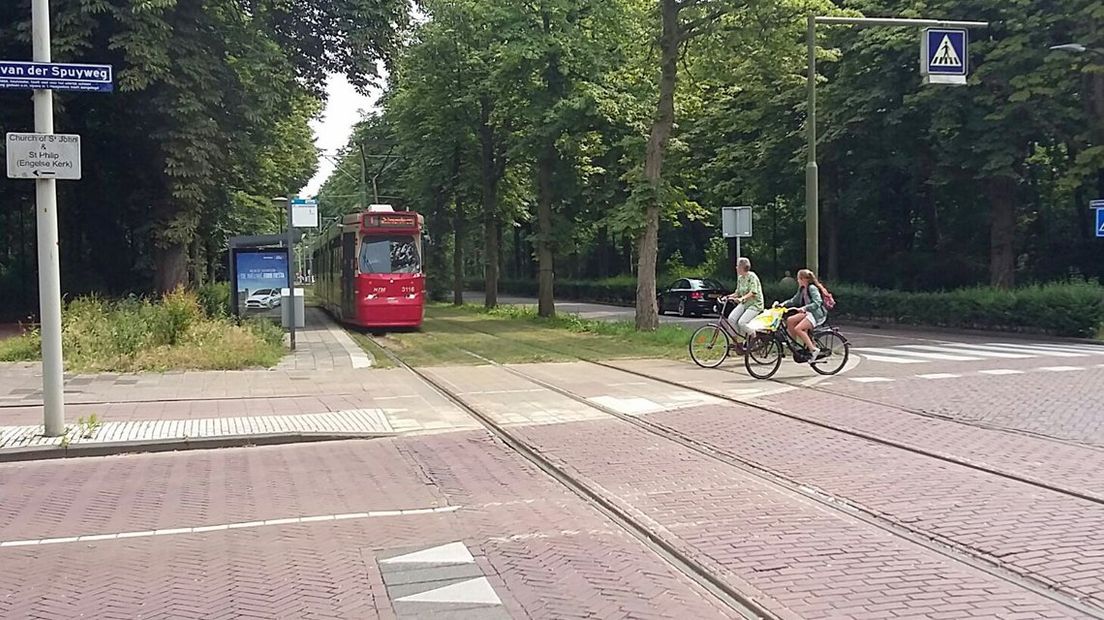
<point x="944" y="56"/>
<point x="1100" y="222"/>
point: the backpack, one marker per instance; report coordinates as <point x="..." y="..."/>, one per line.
<point x="829" y="300"/>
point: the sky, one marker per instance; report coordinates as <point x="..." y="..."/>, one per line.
<point x="344" y="108"/>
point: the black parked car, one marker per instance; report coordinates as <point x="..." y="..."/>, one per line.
<point x="690" y="296"/>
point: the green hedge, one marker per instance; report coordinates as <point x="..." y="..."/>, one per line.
<point x="1075" y="309"/>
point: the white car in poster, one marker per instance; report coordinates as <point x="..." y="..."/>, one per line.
<point x="263" y="299"/>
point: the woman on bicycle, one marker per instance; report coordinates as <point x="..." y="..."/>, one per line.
<point x="748" y="297"/>
<point x="811" y="311"/>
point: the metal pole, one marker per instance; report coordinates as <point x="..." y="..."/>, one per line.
<point x="363" y="179"/>
<point x="49" y="270"/>
<point x="738" y="254"/>
<point x="291" y="274"/>
<point x="812" y="174"/>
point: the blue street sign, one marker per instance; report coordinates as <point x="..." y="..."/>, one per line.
<point x="1100" y="222"/>
<point x="55" y="76"/>
<point x="945" y="52"/>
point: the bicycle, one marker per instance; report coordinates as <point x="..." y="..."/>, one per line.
<point x="710" y="344"/>
<point x="764" y="351"/>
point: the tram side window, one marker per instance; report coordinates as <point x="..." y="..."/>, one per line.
<point x="397" y="254"/>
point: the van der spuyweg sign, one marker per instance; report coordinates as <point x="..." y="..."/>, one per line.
<point x="21" y="75"/>
<point x="44" y="156"/>
<point x="944" y="56"/>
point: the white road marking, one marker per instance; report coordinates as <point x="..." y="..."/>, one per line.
<point x="871" y="380"/>
<point x="1061" y="369"/>
<point x="919" y="354"/>
<point x="476" y="591"/>
<point x="1001" y="372"/>
<point x="973" y="351"/>
<point x="224" y="526"/>
<point x="889" y="360"/>
<point x="451" y="553"/>
<point x="940" y="375"/>
<point x="1041" y="350"/>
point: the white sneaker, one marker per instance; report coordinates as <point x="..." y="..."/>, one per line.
<point x="813" y="355"/>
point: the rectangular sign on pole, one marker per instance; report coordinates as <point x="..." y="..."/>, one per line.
<point x="15" y="74"/>
<point x="44" y="156"/>
<point x="304" y="213"/>
<point x="1100" y="222"/>
<point x="736" y="222"/>
<point x="944" y="56"/>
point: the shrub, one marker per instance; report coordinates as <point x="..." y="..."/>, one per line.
<point x="214" y="298"/>
<point x="138" y="334"/>
<point x="1064" y="309"/>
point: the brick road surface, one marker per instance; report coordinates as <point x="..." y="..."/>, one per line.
<point x="1066" y="465"/>
<point x="546" y="553"/>
<point x="1059" y="463"/>
<point x="1055" y="403"/>
<point x="1039" y="533"/>
<point x="817" y="562"/>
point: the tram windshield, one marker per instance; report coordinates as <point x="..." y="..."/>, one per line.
<point x="394" y="254"/>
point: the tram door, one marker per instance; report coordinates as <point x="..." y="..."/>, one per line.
<point x="348" y="275"/>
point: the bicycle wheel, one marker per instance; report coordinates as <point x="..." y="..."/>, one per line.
<point x="834" y="352"/>
<point x="763" y="356"/>
<point x="709" y="346"/>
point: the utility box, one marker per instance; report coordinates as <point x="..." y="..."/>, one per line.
<point x="286" y="306"/>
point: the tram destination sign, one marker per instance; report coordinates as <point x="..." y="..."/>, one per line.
<point x="44" y="156"/>
<point x="15" y="74"/>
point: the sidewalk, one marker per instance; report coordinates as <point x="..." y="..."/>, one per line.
<point x="325" y="390"/>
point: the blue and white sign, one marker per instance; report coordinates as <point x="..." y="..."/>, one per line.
<point x="55" y="76"/>
<point x="944" y="56"/>
<point x="304" y="213"/>
<point x="1100" y="222"/>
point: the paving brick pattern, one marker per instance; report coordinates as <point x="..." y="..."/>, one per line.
<point x="813" y="561"/>
<point x="1079" y="468"/>
<point x="1050" y="537"/>
<point x="1058" y="404"/>
<point x="523" y="529"/>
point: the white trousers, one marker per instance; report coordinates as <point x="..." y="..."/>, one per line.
<point x="740" y="316"/>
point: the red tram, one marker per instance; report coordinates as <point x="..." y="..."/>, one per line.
<point x="368" y="268"/>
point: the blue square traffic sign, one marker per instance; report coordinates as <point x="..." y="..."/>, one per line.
<point x="1100" y="222"/>
<point x="945" y="52"/>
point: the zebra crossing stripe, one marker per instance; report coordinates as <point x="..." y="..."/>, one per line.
<point x="920" y="354"/>
<point x="889" y="360"/>
<point x="971" y="351"/>
<point x="1047" y="350"/>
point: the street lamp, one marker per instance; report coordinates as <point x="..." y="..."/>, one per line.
<point x="1077" y="48"/>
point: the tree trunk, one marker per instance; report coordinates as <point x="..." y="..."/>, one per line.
<point x="490" y="172"/>
<point x="546" y="305"/>
<point x="171" y="260"/>
<point x="647" y="317"/>
<point x="1002" y="232"/>
<point x="458" y="257"/>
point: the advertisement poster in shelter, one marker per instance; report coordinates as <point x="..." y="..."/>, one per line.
<point x="259" y="277"/>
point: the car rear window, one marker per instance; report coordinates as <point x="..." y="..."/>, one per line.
<point x="713" y="284"/>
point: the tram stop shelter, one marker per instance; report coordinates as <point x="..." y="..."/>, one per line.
<point x="259" y="270"/>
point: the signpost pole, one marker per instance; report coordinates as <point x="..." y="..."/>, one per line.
<point x="49" y="270"/>
<point x="812" y="174"/>
<point x="291" y="272"/>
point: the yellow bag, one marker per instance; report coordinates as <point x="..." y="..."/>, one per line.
<point x="768" y="321"/>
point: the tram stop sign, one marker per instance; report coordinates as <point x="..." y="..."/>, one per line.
<point x="944" y="56"/>
<point x="1098" y="225"/>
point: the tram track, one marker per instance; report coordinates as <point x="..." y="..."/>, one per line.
<point x="962" y="554"/>
<point x="689" y="566"/>
<point x="860" y="434"/>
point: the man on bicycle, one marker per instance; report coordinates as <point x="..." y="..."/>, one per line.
<point x="748" y="298"/>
